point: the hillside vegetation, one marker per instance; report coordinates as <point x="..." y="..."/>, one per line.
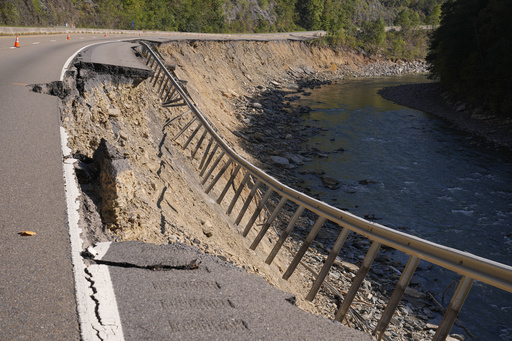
<point x="356" y="24"/>
<point x="471" y="53"/>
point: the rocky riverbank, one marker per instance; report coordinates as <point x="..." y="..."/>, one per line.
<point x="269" y="130"/>
<point x="429" y="98"/>
<point x="248" y="91"/>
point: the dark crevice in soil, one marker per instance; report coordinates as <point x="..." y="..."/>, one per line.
<point x="194" y="264"/>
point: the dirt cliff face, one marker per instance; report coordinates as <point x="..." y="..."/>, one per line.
<point x="157" y="194"/>
<point x="221" y="74"/>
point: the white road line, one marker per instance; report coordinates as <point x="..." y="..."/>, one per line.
<point x="35" y="43"/>
<point x="104" y="297"/>
<point x="53" y="41"/>
<point x="73" y="205"/>
<point x="87" y="308"/>
<point x="70" y="59"/>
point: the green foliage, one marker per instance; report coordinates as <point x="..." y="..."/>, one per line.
<point x="37" y="7"/>
<point x="9" y="14"/>
<point x="310" y="13"/>
<point x="373" y="35"/>
<point x="471" y="52"/>
<point x="434" y="17"/>
<point x="407" y="19"/>
<point x="356" y="24"/>
<point x="285" y="12"/>
<point x="263" y="25"/>
<point x="263" y="4"/>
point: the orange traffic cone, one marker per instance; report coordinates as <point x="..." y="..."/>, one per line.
<point x="105" y="35"/>
<point x="68" y="36"/>
<point x="17" y="42"/>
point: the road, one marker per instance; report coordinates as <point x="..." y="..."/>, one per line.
<point x="37" y="294"/>
<point x="42" y="275"/>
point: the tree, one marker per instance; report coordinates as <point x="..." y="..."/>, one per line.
<point x="434" y="18"/>
<point x="373" y="34"/>
<point x="310" y="13"/>
<point x="470" y="53"/>
<point x="407" y="19"/>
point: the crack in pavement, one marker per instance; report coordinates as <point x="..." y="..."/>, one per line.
<point x="93" y="297"/>
<point x="194" y="264"/>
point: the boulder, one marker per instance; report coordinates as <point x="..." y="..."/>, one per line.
<point x="328" y="181"/>
<point x="282" y="161"/>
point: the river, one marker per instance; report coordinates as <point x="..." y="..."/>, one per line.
<point x="412" y="171"/>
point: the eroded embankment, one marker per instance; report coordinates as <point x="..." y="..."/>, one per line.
<point x="138" y="184"/>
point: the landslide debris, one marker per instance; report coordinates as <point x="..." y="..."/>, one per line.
<point x="138" y="184"/>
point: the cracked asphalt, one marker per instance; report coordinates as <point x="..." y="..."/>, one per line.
<point x="134" y="291"/>
<point x="175" y="292"/>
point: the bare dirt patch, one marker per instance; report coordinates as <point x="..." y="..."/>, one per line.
<point x="158" y="193"/>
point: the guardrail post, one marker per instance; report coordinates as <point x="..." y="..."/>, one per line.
<point x="185" y="128"/>
<point x="267" y="224"/>
<point x="358" y="280"/>
<point x="199" y="143"/>
<point x="247" y="202"/>
<point x="163" y="84"/>
<point x="285" y="234"/>
<point x="217" y="177"/>
<point x="210" y="157"/>
<point x="454" y="308"/>
<point x="169" y="95"/>
<point x="342" y="237"/>
<point x="194" y="133"/>
<point x="206" y="152"/>
<point x="157" y="75"/>
<point x="238" y="192"/>
<point x="396" y="297"/>
<point x="309" y="239"/>
<point x="230" y="182"/>
<point x="257" y="211"/>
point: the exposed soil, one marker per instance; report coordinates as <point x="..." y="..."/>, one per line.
<point x="159" y="197"/>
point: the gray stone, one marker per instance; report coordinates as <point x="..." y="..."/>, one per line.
<point x="328" y="181"/>
<point x="214" y="301"/>
<point x="280" y="160"/>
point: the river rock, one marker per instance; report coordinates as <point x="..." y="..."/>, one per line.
<point x="328" y="181"/>
<point x="230" y="94"/>
<point x="366" y="182"/>
<point x="282" y="161"/>
<point x="296" y="159"/>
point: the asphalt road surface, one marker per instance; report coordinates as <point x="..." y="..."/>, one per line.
<point x="195" y="297"/>
<point x="37" y="293"/>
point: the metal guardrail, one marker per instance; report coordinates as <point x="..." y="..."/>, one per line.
<point x="469" y="266"/>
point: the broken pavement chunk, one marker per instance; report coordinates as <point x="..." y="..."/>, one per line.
<point x="148" y="256"/>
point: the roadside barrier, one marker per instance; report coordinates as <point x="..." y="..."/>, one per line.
<point x="469" y="266"/>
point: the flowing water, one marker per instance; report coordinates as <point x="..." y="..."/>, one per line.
<point x="411" y="171"/>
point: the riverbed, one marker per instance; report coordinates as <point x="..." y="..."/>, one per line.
<point x="412" y="171"/>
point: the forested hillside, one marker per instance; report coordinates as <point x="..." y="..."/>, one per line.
<point x="357" y="24"/>
<point x="471" y="53"/>
<point x="218" y="15"/>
